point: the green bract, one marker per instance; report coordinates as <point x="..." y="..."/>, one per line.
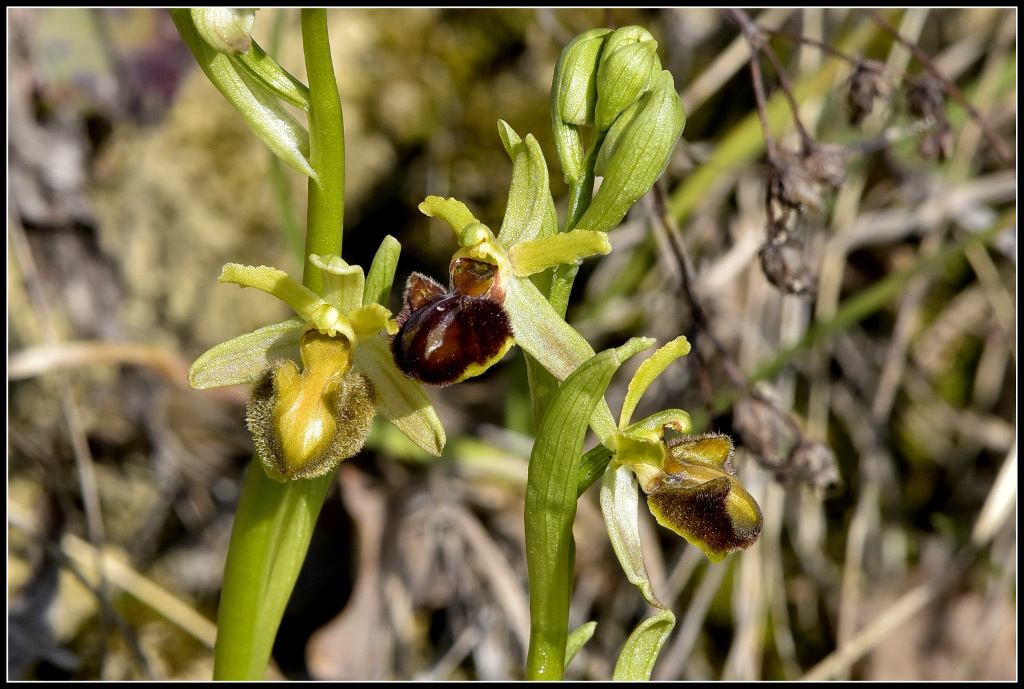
<point x="252" y="83"/>
<point x="306" y="421"/>
<point x="639" y="151"/>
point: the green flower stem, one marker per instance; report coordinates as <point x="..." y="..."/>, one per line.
<point x="325" y="211"/>
<point x="274" y="521"/>
<point x="581" y="192"/>
<point x="551" y="496"/>
<point x="273" y="525"/>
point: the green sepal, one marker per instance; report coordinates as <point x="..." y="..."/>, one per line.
<point x="619" y="503"/>
<point x="399" y="399"/>
<point x="241" y="359"/>
<point x="539" y="330"/>
<point x="530" y="213"/>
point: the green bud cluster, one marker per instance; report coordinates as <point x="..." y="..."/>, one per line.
<point x="613" y="82"/>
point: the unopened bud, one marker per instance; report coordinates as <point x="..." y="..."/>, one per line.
<point x="227" y="29"/>
<point x="627" y="65"/>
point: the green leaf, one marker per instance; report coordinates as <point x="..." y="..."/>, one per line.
<point x="650" y="369"/>
<point x="577" y="638"/>
<point x="273" y="526"/>
<point x="551" y="506"/>
<point x="640" y="652"/>
<point x="241" y="359"/>
<point x="619" y="503"/>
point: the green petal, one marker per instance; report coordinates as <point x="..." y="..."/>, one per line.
<point x="529" y="257"/>
<point x="241" y="359"/>
<point x="399" y="399"/>
<point x="452" y="211"/>
<point x="653" y="425"/>
<point x="650" y="369"/>
<point x="326" y="318"/>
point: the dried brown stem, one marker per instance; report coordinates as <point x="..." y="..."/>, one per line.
<point x="1001" y="150"/>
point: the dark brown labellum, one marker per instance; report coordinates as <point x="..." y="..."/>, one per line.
<point x="446" y="337"/>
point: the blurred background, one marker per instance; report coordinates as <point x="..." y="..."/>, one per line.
<point x="879" y="439"/>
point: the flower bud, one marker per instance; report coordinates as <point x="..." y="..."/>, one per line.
<point x="227" y="29"/>
<point x="575" y="82"/>
<point x="574" y="96"/>
<point x="624" y="73"/>
<point x="640" y="153"/>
